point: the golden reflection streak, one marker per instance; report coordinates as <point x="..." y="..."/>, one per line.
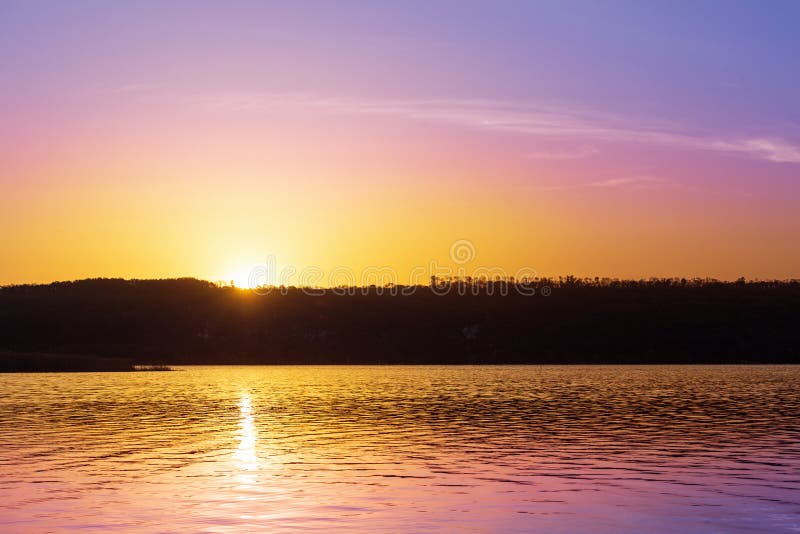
<point x="245" y="455"/>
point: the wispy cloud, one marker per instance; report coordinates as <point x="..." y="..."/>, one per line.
<point x="549" y="121"/>
<point x="776" y="150"/>
<point x="628" y="183"/>
<point x="631" y="182"/>
<point x="560" y="155"/>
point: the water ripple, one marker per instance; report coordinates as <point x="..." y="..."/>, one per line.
<point x="559" y="449"/>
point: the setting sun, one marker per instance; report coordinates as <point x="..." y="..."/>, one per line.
<point x="242" y="280"/>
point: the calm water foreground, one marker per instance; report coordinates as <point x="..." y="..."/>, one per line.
<point x="492" y="449"/>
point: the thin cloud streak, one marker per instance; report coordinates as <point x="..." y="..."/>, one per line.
<point x="563" y="155"/>
<point x="626" y="183"/>
<point x="633" y="181"/>
<point x="509" y="117"/>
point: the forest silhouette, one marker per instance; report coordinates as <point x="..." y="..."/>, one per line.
<point x="580" y="321"/>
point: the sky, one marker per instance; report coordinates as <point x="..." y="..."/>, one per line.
<point x="622" y="139"/>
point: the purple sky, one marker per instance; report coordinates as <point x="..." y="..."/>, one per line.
<point x="613" y="138"/>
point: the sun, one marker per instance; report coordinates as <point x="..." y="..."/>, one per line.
<point x="252" y="277"/>
<point x="242" y="280"/>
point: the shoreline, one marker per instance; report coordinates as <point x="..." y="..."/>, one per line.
<point x="48" y="362"/>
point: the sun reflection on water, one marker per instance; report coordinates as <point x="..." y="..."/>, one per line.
<point x="245" y="456"/>
<point x="361" y="449"/>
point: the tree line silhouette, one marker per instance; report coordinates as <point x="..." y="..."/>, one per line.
<point x="566" y="320"/>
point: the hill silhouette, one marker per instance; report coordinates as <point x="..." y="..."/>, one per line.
<point x="189" y="321"/>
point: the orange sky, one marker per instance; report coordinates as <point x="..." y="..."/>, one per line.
<point x="202" y="146"/>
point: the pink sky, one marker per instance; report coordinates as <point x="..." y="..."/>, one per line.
<point x="198" y="139"/>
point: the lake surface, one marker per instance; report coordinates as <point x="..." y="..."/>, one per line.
<point x="484" y="449"/>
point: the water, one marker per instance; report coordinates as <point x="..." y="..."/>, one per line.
<point x="485" y="449"/>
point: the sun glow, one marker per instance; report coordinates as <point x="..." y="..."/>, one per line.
<point x="242" y="280"/>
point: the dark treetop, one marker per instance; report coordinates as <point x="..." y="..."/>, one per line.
<point x="580" y="321"/>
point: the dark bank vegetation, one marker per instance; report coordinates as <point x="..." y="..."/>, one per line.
<point x="38" y="362"/>
<point x="34" y="362"/>
<point x="187" y="321"/>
